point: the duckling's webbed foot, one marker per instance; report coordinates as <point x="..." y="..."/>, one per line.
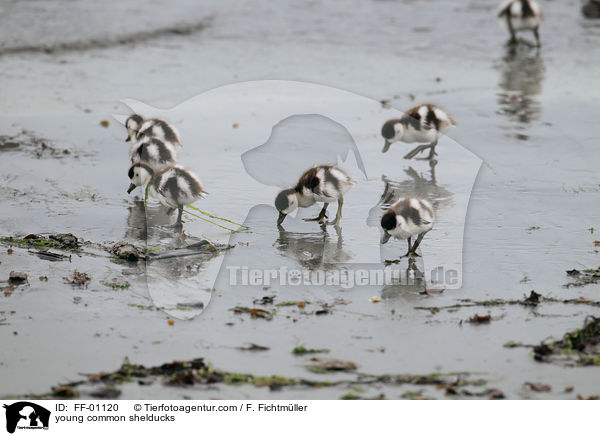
<point x="322" y="215"/>
<point x="178" y="227"/>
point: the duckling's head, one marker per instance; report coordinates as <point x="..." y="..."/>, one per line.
<point x="286" y="202"/>
<point x="389" y="221"/>
<point x="391" y="131"/>
<point x="132" y="125"/>
<point x="140" y="174"/>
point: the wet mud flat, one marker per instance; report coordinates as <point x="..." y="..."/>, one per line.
<point x="77" y="321"/>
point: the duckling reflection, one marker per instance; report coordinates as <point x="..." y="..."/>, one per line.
<point x="410" y="281"/>
<point x="521" y="76"/>
<point x="317" y="250"/>
<point x="148" y="223"/>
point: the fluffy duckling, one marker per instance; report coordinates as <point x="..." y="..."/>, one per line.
<point x="322" y="183"/>
<point x="138" y="128"/>
<point x="133" y="124"/>
<point x="406" y="218"/>
<point x="173" y="186"/>
<point x="154" y="152"/>
<point x="423" y="123"/>
<point x="519" y="15"/>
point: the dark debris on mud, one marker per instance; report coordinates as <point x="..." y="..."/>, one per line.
<point x="580" y="347"/>
<point x="121" y="250"/>
<point x="533" y="300"/>
<point x="583" y="277"/>
<point x="196" y="372"/>
<point x="35" y="146"/>
<point x="60" y="241"/>
<point x="78" y="279"/>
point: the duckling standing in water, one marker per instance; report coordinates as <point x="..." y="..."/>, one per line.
<point x="137" y="128"/>
<point x="406" y="218"/>
<point x="519" y="15"/>
<point x="173" y="186"/>
<point x="422" y="123"/>
<point x="322" y="183"/>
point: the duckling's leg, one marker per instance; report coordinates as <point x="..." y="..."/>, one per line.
<point x="536" y="33"/>
<point x="513" y="36"/>
<point x="416" y="151"/>
<point x="409" y="247"/>
<point x="322" y="215"/>
<point x="432" y="152"/>
<point x="338" y="215"/>
<point x="179" y="215"/>
<point x="413" y="250"/>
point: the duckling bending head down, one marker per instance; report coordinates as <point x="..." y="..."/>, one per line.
<point x="138" y="128"/>
<point x="407" y="218"/>
<point x="133" y="124"/>
<point x="322" y="183"/>
<point x="173" y="186"/>
<point x="423" y="123"/>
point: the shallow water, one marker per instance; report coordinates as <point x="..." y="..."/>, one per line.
<point x="529" y="115"/>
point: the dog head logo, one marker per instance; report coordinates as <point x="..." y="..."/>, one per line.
<point x="26" y="415"/>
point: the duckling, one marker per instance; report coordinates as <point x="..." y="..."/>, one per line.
<point x="133" y="124"/>
<point x="161" y="129"/>
<point x="137" y="128"/>
<point x="422" y="123"/>
<point x="518" y="15"/>
<point x="406" y="218"/>
<point x="173" y="186"/>
<point x="154" y="152"/>
<point x="322" y="183"/>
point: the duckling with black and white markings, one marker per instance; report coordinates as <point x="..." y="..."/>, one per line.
<point x="406" y="218"/>
<point x="173" y="186"/>
<point x="137" y="128"/>
<point x="519" y="15"/>
<point x="321" y="183"/>
<point x="154" y="152"/>
<point x="422" y="123"/>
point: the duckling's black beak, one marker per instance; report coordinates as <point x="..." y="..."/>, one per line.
<point x="386" y="146"/>
<point x="281" y="218"/>
<point x="131" y="188"/>
<point x="385" y="237"/>
<point x="128" y="138"/>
